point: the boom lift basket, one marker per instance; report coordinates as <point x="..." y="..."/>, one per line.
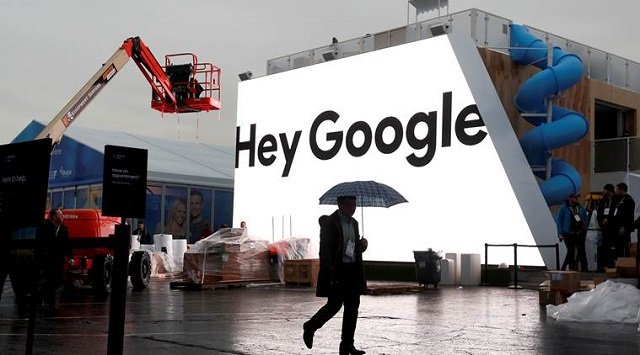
<point x="196" y="86"/>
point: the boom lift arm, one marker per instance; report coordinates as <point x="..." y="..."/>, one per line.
<point x="176" y="88"/>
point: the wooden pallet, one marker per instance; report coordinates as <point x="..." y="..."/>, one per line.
<point x="392" y="289"/>
<point x="193" y="286"/>
<point x="299" y="284"/>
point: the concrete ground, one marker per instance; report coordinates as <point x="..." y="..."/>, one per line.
<point x="268" y="320"/>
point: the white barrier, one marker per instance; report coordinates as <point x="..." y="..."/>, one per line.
<point x="447" y="270"/>
<point x="470" y="270"/>
<point x="163" y="242"/>
<point x="179" y="247"/>
<point x="456" y="267"/>
<point x="135" y="241"/>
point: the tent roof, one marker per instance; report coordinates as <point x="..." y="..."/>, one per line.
<point x="168" y="160"/>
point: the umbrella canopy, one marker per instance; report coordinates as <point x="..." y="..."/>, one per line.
<point x="367" y="193"/>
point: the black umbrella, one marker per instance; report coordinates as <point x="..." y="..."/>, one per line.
<point x="367" y="193"/>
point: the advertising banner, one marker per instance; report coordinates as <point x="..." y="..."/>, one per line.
<point x="124" y="182"/>
<point x="24" y="170"/>
<point x="422" y="118"/>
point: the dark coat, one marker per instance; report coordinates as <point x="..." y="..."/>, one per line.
<point x="607" y="229"/>
<point x="331" y="266"/>
<point x="145" y="238"/>
<point x="624" y="208"/>
<point x="51" y="248"/>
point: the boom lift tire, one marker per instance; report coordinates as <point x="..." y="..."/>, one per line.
<point x="101" y="274"/>
<point x="140" y="269"/>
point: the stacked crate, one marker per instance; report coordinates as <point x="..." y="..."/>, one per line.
<point x="301" y="272"/>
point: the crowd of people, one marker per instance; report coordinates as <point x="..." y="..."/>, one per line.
<point x="613" y="218"/>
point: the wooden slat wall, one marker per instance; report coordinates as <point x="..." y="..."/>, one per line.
<point x="507" y="78"/>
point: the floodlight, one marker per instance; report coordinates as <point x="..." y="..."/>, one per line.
<point x="331" y="55"/>
<point x="245" y="76"/>
<point x="439" y="29"/>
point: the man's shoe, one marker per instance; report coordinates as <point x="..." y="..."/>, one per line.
<point x="350" y="350"/>
<point x="307" y="335"/>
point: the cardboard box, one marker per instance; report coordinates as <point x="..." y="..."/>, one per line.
<point x="597" y="280"/>
<point x="611" y="273"/>
<point x="546" y="296"/>
<point x="585" y="285"/>
<point x="564" y="281"/>
<point x="303" y="271"/>
<point x="555" y="297"/>
<point x="626" y="267"/>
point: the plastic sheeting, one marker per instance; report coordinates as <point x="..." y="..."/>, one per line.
<point x="162" y="263"/>
<point x="227" y="255"/>
<point x="609" y="302"/>
<point x="293" y="248"/>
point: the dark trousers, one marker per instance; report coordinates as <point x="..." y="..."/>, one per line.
<point x="610" y="251"/>
<point x="570" y="258"/>
<point x="623" y="245"/>
<point x="4" y="271"/>
<point x="575" y="243"/>
<point x="349" y="318"/>
<point x="601" y="258"/>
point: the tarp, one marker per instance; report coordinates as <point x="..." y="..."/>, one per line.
<point x="609" y="302"/>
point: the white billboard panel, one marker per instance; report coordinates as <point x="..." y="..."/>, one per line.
<point x="404" y="116"/>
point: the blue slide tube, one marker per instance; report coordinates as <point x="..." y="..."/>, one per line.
<point x="567" y="126"/>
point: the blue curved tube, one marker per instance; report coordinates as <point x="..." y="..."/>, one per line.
<point x="565" y="129"/>
<point x="567" y="126"/>
<point x="564" y="180"/>
<point x="548" y="82"/>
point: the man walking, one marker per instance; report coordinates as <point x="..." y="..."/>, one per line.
<point x="341" y="276"/>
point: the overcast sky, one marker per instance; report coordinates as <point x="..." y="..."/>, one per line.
<point x="49" y="49"/>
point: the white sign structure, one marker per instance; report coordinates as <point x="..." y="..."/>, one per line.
<point x="423" y="118"/>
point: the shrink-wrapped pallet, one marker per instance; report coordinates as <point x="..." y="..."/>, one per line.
<point x="227" y="255"/>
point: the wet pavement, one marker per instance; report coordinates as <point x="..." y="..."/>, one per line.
<point x="268" y="320"/>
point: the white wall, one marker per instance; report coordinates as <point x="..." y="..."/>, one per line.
<point x="458" y="201"/>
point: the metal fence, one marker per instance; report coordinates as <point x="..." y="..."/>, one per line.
<point x="487" y="30"/>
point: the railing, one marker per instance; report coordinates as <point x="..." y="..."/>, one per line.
<point x="515" y="258"/>
<point x="486" y="30"/>
<point x="616" y="154"/>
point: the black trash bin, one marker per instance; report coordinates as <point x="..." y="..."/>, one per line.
<point x="427" y="267"/>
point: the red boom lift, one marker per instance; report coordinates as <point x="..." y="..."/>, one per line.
<point x="182" y="85"/>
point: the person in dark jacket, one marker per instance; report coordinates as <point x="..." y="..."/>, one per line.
<point x="606" y="251"/>
<point x="623" y="218"/>
<point x="572" y="228"/>
<point x="341" y="276"/>
<point x="143" y="234"/>
<point x="52" y="244"/>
